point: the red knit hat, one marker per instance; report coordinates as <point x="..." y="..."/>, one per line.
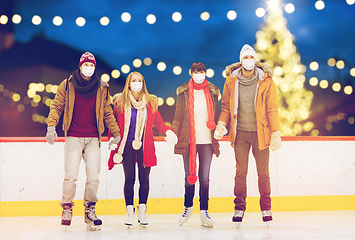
<point x="87" y="57"/>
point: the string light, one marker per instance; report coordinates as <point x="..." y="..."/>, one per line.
<point x="176" y="17"/>
<point x="319" y="5"/>
<point x="231" y="15"/>
<point x="205" y="16"/>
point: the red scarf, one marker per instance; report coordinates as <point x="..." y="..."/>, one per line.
<point x="192" y="178"/>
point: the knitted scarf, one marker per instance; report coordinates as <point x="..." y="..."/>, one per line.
<point x="140" y="123"/>
<point x="86" y="88"/>
<point x="192" y="178"/>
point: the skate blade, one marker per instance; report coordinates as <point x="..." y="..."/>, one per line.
<point x="143" y="225"/>
<point x="268" y="224"/>
<point x="65" y="227"/>
<point x="91" y="227"/>
<point x="207" y="226"/>
<point x="237" y="224"/>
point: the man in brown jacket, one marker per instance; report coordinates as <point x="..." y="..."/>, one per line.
<point x="250" y="106"/>
<point x="85" y="100"/>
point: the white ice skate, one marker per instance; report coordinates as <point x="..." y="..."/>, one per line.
<point x="93" y="223"/>
<point x="206" y="219"/>
<point x="267" y="217"/>
<point x="142" y="219"/>
<point x="185" y="215"/>
<point x="129" y="216"/>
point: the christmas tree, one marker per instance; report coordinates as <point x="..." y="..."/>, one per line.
<point x="275" y="46"/>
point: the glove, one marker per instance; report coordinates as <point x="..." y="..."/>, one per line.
<point x="220" y="130"/>
<point x="171" y="137"/>
<point x="51" y="135"/>
<point x="112" y="145"/>
<point x="275" y="141"/>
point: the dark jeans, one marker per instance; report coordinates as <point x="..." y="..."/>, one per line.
<point x="130" y="157"/>
<point x="205" y="153"/>
<point x="244" y="140"/>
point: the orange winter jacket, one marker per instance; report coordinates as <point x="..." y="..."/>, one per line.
<point x="266" y="105"/>
<point x="64" y="101"/>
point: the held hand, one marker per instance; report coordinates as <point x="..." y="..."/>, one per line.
<point x="112" y="145"/>
<point x="220" y="130"/>
<point x="51" y="135"/>
<point x="275" y="142"/>
<point x="171" y="137"/>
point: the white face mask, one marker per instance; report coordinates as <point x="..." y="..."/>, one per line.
<point x="87" y="71"/>
<point x="198" y="77"/>
<point x="136" y="86"/>
<point x="248" y="64"/>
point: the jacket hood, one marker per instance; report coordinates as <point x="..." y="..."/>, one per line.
<point x="185" y="87"/>
<point x="266" y="68"/>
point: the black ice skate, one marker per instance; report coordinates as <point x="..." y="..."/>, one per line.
<point x="238" y="217"/>
<point x="267" y="217"/>
<point x="93" y="223"/>
<point x="67" y="214"/>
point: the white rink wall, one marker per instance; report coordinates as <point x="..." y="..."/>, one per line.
<point x="34" y="171"/>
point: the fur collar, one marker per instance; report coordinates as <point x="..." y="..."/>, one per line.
<point x="185" y="87"/>
<point x="263" y="66"/>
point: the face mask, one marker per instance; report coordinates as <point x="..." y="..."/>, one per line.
<point x="87" y="71"/>
<point x="198" y="77"/>
<point x="136" y="86"/>
<point x="248" y="64"/>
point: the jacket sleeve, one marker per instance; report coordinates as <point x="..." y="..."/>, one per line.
<point x="115" y="112"/>
<point x="272" y="107"/>
<point x="178" y="117"/>
<point x="109" y="119"/>
<point x="58" y="104"/>
<point x="159" y="123"/>
<point x="225" y="105"/>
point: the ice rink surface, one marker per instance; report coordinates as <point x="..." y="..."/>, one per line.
<point x="286" y="225"/>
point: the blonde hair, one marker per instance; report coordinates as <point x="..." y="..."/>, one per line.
<point x="124" y="99"/>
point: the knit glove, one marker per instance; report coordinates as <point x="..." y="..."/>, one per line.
<point x="112" y="145"/>
<point x="51" y="135"/>
<point x="275" y="142"/>
<point x="220" y="130"/>
<point x="171" y="137"/>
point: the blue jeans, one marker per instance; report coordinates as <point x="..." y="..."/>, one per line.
<point x="205" y="154"/>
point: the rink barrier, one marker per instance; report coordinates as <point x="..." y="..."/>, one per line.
<point x="342" y="199"/>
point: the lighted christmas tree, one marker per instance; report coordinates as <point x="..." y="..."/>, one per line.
<point x="275" y="47"/>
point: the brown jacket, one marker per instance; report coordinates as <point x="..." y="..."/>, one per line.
<point x="266" y="105"/>
<point x="181" y="122"/>
<point x="64" y="100"/>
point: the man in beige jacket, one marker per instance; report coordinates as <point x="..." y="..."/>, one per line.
<point x="85" y="100"/>
<point x="250" y="106"/>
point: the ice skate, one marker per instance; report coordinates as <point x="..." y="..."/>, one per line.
<point x="93" y="223"/>
<point x="206" y="219"/>
<point x="142" y="219"/>
<point x="267" y="217"/>
<point x="185" y="215"/>
<point x="238" y="217"/>
<point x="130" y="216"/>
<point x="67" y="214"/>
